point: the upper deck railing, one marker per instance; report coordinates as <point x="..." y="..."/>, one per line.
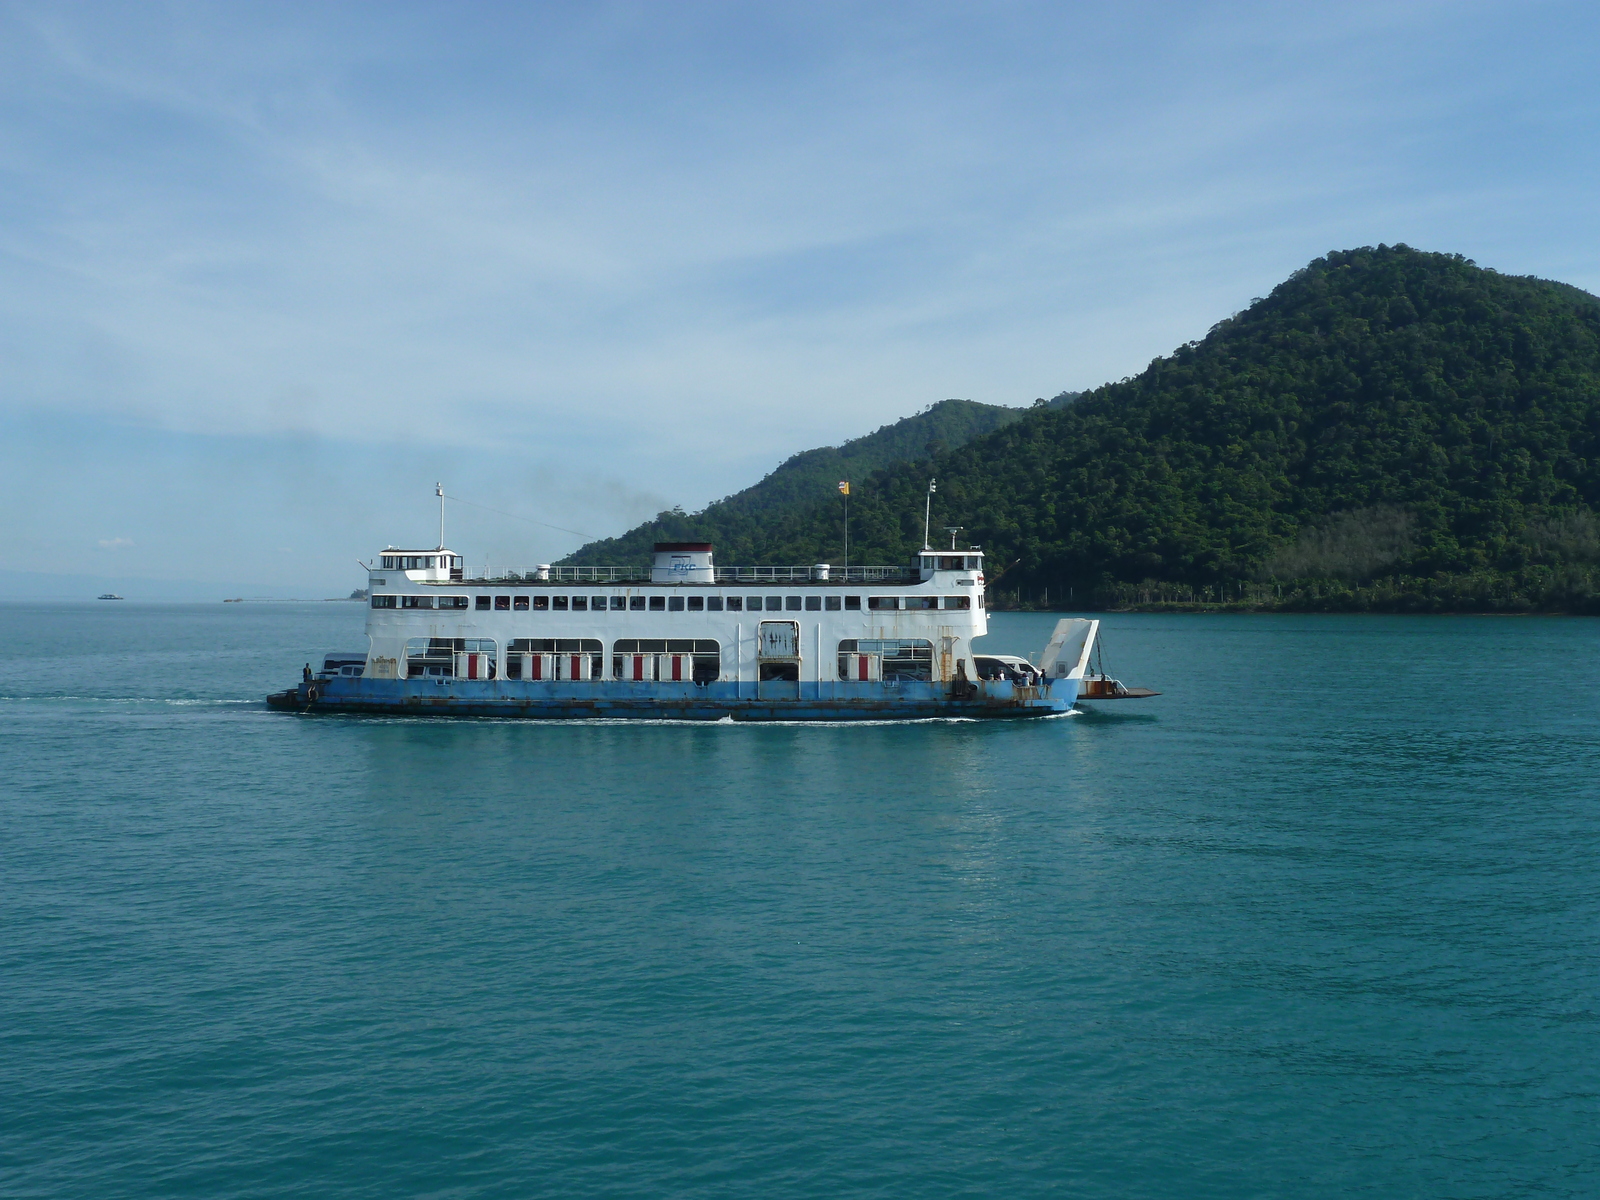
<point x="813" y="575"/>
<point x="724" y="575"/>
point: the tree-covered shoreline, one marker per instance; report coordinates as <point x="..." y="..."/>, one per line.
<point x="1485" y="594"/>
<point x="1389" y="431"/>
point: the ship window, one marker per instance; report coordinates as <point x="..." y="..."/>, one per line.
<point x="430" y="656"/>
<point x="852" y="603"/>
<point x="388" y="562"/>
<point x="881" y="603"/>
<point x="452" y="601"/>
<point x="813" y="603"/>
<point x="483" y="603"/>
<point x="416" y="601"/>
<point x="580" y="604"/>
<point x="558" y="603"/>
<point x="903" y="658"/>
<point x="639" y="646"/>
<point x="753" y="603"/>
<point x="383" y="602"/>
<point x="735" y="603"/>
<point x="831" y="603"/>
<point x="958" y="601"/>
<point x="519" y="604"/>
<point x="658" y="604"/>
<point x="598" y="603"/>
<point x="619" y="603"/>
<point x="922" y="602"/>
<point x="556" y="646"/>
<point x="436" y="656"/>
<point x="502" y="604"/>
<point x="674" y="603"/>
<point x="974" y="562"/>
<point x="950" y="562"/>
<point x="706" y="666"/>
<point x="662" y="646"/>
<point x="635" y="603"/>
<point x="697" y="603"/>
<point x="713" y="603"/>
<point x="540" y="604"/>
<point x="566" y="647"/>
<point x="774" y="603"/>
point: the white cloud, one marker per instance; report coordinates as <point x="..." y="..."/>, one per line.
<point x="118" y="543"/>
<point x="599" y="260"/>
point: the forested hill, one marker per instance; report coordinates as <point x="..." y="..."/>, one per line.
<point x="1388" y="429"/>
<point x="740" y="524"/>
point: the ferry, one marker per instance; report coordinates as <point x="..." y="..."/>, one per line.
<point x="687" y="639"/>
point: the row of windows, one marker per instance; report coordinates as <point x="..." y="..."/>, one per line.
<point x="523" y="603"/>
<point x="420" y="562"/>
<point x="646" y="659"/>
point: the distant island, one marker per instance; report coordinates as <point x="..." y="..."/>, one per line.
<point x="1390" y="430"/>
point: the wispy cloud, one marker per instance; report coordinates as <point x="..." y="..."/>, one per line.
<point x="115" y="543"/>
<point x="600" y="258"/>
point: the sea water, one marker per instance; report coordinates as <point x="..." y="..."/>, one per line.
<point x="1320" y="920"/>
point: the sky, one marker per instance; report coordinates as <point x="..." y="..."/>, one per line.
<point x="269" y="272"/>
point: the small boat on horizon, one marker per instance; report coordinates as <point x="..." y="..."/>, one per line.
<point x="109" y="596"/>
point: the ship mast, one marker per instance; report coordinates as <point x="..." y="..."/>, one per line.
<point x="438" y="490"/>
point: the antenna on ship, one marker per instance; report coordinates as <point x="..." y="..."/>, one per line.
<point x="952" y="530"/>
<point x="844" y="487"/>
<point x="927" y="513"/>
<point x="438" y="490"/>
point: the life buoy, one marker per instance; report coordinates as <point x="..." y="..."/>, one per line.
<point x="311" y="694"/>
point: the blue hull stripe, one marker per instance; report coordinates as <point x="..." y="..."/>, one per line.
<point x="811" y="701"/>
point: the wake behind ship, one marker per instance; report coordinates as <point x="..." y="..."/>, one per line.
<point x="687" y="639"/>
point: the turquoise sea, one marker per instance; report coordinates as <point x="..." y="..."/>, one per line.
<point x="1322" y="920"/>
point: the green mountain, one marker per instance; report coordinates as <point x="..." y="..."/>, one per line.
<point x="1389" y="429"/>
<point x="741" y="524"/>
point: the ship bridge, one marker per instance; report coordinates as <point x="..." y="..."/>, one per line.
<point x="420" y="566"/>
